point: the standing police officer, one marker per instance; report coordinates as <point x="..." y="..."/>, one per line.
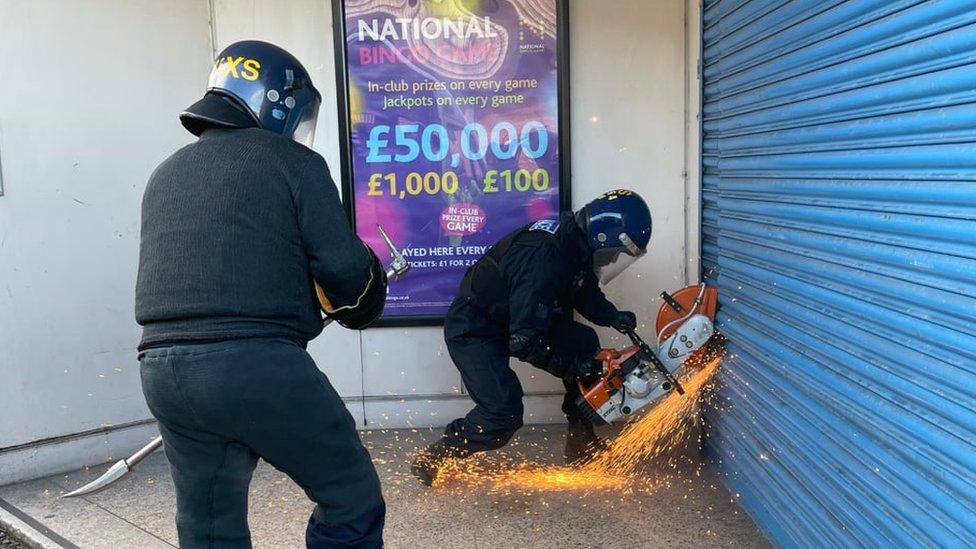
<point x="236" y="230"/>
<point x="518" y="301"/>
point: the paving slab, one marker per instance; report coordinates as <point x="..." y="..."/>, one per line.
<point x="687" y="506"/>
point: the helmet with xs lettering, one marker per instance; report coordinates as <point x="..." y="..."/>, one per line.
<point x="255" y="84"/>
<point x="617" y="226"/>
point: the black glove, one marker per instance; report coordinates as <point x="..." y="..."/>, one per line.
<point x="624" y="321"/>
<point x="587" y="369"/>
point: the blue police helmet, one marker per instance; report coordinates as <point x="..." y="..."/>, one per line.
<point x="257" y="84"/>
<point x="618" y="229"/>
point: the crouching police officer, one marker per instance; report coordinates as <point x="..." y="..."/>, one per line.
<point x="236" y="230"/>
<point x="518" y="301"/>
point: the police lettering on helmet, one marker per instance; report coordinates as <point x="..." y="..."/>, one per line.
<point x="257" y="84"/>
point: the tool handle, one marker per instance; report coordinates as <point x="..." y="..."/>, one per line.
<point x="144" y="452"/>
<point x="672" y="302"/>
<point x="637" y="340"/>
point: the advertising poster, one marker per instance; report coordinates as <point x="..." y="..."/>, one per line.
<point x="452" y="132"/>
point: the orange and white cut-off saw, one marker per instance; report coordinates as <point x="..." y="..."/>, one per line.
<point x="637" y="376"/>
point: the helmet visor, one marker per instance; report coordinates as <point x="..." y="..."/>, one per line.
<point x="305" y="130"/>
<point x="610" y="262"/>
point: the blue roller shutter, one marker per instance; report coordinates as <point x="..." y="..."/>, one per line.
<point x="839" y="223"/>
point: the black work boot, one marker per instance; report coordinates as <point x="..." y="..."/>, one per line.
<point x="581" y="442"/>
<point x="427" y="463"/>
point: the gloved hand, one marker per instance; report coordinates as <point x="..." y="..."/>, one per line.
<point x="624" y="321"/>
<point x="587" y="369"/>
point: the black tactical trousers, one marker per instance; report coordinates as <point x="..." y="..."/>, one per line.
<point x="221" y="406"/>
<point x="479" y="349"/>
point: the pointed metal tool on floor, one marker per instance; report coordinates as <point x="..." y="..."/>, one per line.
<point x="123" y="467"/>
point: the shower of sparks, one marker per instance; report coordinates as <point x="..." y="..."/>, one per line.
<point x="664" y="428"/>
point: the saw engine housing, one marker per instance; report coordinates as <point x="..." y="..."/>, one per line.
<point x="637" y="376"/>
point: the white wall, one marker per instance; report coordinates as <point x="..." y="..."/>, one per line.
<point x="67" y="268"/>
<point x="89" y="93"/>
<point x="628" y="130"/>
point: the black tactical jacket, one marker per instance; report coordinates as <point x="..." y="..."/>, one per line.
<point x="536" y="272"/>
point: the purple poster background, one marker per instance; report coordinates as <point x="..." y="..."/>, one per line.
<point x="480" y="73"/>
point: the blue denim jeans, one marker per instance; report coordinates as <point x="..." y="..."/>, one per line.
<point x="221" y="406"/>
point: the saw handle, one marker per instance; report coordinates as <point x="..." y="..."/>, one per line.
<point x="673" y="303"/>
<point x="637" y="340"/>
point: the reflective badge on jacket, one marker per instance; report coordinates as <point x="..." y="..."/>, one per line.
<point x="548" y="225"/>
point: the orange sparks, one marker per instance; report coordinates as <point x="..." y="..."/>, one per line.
<point x="663" y="428"/>
<point x="554" y="478"/>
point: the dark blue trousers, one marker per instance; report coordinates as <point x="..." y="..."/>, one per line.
<point x="221" y="406"/>
<point x="479" y="349"/>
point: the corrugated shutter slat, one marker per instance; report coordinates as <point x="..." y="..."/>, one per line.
<point x="839" y="223"/>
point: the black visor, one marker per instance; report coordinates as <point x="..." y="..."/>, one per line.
<point x="214" y="110"/>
